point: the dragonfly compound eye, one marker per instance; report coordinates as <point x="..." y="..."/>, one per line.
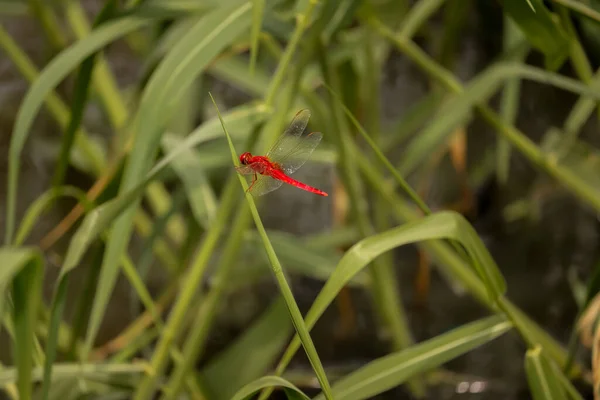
<point x="244" y="158"/>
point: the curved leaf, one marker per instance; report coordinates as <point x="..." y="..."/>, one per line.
<point x="248" y="391"/>
<point x="394" y="369"/>
<point x="442" y="225"/>
<point x="251" y="355"/>
<point x="36" y="209"/>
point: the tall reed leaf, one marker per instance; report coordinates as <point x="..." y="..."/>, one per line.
<point x="394" y="369"/>
<point x="286" y="292"/>
<point x="442" y="225"/>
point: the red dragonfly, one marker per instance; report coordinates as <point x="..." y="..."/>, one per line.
<point x="289" y="153"/>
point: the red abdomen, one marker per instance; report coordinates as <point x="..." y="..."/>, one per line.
<point x="278" y="174"/>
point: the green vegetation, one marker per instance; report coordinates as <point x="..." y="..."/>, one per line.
<point x="169" y="181"/>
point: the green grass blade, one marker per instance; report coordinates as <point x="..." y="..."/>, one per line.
<point x="59" y="301"/>
<point x="258" y="9"/>
<point x="251" y="355"/>
<point x="542" y="31"/>
<point x="234" y="70"/>
<point x="570" y="390"/>
<point x="385" y="292"/>
<point x="200" y="194"/>
<point x="477" y="92"/>
<point x="394" y="369"/>
<point x="284" y="97"/>
<point x="192" y="280"/>
<point x="299" y="258"/>
<point x="186" y="60"/>
<point x="582" y="9"/>
<point x="196" y="339"/>
<point x="94" y="159"/>
<point x="442" y="225"/>
<point x="37" y="208"/>
<point x="303" y="259"/>
<point x="341" y="17"/>
<point x="283" y="66"/>
<point x="248" y="391"/>
<point x="179" y="8"/>
<point x="580" y="113"/>
<point x="418" y="14"/>
<point x="242" y="119"/>
<point x="23" y="266"/>
<point x="513" y="135"/>
<point x="13" y="8"/>
<point x="415" y="117"/>
<point x="510" y="99"/>
<point x="339" y="237"/>
<point x="281" y="281"/>
<point x="50" y="23"/>
<point x="382" y="158"/>
<point x="84" y="304"/>
<point x="159" y="225"/>
<point x="481" y="89"/>
<point x="543" y="382"/>
<point x="15" y="260"/>
<point x="454" y="266"/>
<point x="82" y="84"/>
<point x="84" y="371"/>
<point x="51" y="76"/>
<point x="101" y="217"/>
<point x="104" y="82"/>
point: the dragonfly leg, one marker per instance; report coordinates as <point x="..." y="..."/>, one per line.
<point x="253" y="182"/>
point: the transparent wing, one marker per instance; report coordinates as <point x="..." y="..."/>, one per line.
<point x="244" y="170"/>
<point x="289" y="139"/>
<point x="265" y="184"/>
<point x="298" y="155"/>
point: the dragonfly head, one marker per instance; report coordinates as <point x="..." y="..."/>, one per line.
<point x="245" y="158"/>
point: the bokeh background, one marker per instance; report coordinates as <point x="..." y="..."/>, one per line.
<point x="539" y="225"/>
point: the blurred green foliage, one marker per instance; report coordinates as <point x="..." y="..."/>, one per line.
<point x="284" y="55"/>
